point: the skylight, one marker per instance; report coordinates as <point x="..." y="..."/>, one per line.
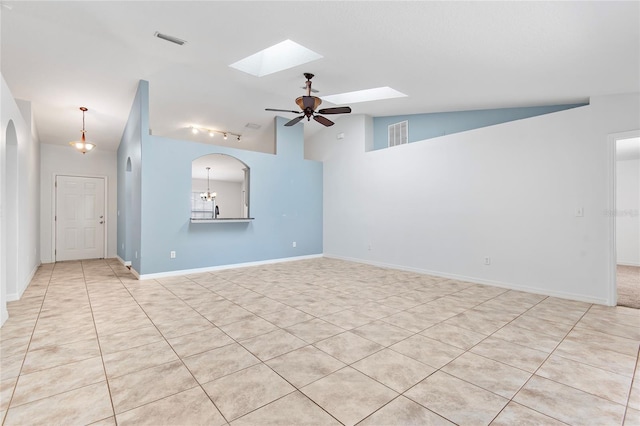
<point x="364" y="96"/>
<point x="281" y="56"/>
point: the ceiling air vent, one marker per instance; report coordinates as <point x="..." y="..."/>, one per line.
<point x="398" y="133"/>
<point x="170" y="38"/>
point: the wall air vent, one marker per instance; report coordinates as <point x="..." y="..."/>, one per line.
<point x="398" y="133"/>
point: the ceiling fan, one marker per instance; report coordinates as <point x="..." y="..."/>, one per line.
<point x="308" y="105"/>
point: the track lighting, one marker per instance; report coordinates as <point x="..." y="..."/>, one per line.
<point x="212" y="132"/>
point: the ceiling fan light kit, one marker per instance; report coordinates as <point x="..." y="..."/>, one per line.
<point x="309" y="104"/>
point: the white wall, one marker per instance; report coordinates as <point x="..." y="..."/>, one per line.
<point x="509" y="192"/>
<point x="61" y="160"/>
<point x="228" y="198"/>
<point x="628" y="208"/>
<point x="24" y="242"/>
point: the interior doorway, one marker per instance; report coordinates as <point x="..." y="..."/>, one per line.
<point x="626" y="215"/>
<point x="80" y="220"/>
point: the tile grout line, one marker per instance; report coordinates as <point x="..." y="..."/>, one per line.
<point x="6" y="414"/>
<point x="543" y="362"/>
<point x="93" y="319"/>
<point x="177" y="355"/>
<point x="634" y="380"/>
<point x="254" y="283"/>
<point x="261" y="362"/>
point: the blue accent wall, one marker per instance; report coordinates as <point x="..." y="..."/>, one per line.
<point x="285" y="200"/>
<point x="130" y="181"/>
<point x="427" y="126"/>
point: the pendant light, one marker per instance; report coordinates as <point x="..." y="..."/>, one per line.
<point x="208" y="196"/>
<point x="82" y="145"/>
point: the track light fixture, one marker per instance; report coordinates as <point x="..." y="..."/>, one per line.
<point x="212" y="132"/>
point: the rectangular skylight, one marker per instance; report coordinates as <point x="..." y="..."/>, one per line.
<point x="364" y="96"/>
<point x="281" y="56"/>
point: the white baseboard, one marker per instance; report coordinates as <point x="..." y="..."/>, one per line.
<point x="4" y="315"/>
<point x="221" y="267"/>
<point x="623" y="263"/>
<point x="12" y="297"/>
<point x="475" y="280"/>
<point x="124" y="262"/>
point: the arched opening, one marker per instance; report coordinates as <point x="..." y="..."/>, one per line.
<point x="11" y="212"/>
<point x="226" y="181"/>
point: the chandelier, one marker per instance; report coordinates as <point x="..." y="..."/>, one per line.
<point x="208" y="196"/>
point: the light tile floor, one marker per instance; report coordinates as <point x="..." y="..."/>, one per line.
<point x="310" y="342"/>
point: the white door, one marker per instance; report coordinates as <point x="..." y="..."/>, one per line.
<point x="79" y="218"/>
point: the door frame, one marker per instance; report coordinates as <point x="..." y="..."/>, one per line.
<point x="612" y="139"/>
<point x="54" y="203"/>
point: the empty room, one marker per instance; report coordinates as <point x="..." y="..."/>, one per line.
<point x="319" y="213"/>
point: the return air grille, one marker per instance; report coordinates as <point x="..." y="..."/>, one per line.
<point x="398" y="133"/>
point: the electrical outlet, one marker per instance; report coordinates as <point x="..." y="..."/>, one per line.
<point x="172" y="254"/>
<point x="580" y="212"/>
<point x="294" y="244"/>
<point x="487" y="260"/>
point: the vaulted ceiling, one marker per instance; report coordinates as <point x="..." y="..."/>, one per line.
<point x="444" y="55"/>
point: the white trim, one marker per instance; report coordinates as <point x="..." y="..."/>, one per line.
<point x="622" y="263"/>
<point x="222" y="267"/>
<point x="17" y="296"/>
<point x="612" y="288"/>
<point x="223" y="220"/>
<point x="54" y="231"/>
<point x="54" y="201"/>
<point x="535" y="290"/>
<point x="124" y="262"/>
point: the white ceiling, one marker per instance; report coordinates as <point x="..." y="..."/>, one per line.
<point x="445" y="55"/>
<point x="223" y="167"/>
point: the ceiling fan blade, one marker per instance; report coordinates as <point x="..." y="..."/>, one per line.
<point x="282" y="110"/>
<point x="323" y="120"/>
<point x="294" y="121"/>
<point x="308" y="101"/>
<point x="336" y="110"/>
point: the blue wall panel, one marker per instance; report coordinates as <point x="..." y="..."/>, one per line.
<point x="129" y="181"/>
<point x="285" y="200"/>
<point x="427" y="126"/>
